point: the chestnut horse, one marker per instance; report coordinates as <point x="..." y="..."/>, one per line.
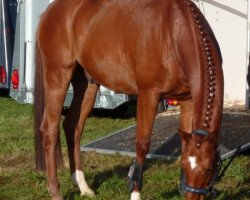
<point x="153" y="49"/>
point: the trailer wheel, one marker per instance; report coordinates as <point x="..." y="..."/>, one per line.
<point x="162" y="106"/>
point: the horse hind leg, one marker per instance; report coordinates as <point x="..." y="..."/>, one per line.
<point x="79" y="84"/>
<point x="81" y="106"/>
<point x="87" y="105"/>
<point x="56" y="79"/>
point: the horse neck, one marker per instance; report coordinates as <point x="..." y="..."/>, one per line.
<point x="203" y="70"/>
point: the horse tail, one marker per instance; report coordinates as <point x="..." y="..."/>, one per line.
<point x="39" y="105"/>
<point x="39" y="102"/>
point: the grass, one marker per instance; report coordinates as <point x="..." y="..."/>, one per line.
<point x="106" y="174"/>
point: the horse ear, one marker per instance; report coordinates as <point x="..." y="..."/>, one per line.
<point x="185" y="136"/>
<point x="213" y="137"/>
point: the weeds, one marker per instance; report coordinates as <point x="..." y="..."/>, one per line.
<point x="106" y="174"/>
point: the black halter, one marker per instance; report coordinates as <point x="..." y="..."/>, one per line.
<point x="184" y="187"/>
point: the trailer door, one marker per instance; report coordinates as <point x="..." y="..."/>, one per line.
<point x="22" y="86"/>
<point x="7" y="26"/>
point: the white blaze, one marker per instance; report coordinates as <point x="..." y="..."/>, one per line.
<point x="135" y="196"/>
<point x="192" y="161"/>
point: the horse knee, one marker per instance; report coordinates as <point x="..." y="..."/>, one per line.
<point x="143" y="143"/>
<point x="142" y="147"/>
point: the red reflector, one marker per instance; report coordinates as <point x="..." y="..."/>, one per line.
<point x="2" y="75"/>
<point x="172" y="102"/>
<point x="15" y="79"/>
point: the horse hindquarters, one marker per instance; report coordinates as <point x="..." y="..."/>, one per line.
<point x="54" y="76"/>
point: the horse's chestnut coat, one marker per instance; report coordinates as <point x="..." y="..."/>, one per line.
<point x="154" y="49"/>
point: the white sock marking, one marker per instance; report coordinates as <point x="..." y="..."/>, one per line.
<point x="135" y="196"/>
<point x="79" y="180"/>
<point x="192" y="160"/>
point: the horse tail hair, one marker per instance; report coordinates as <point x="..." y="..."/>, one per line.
<point x="39" y="106"/>
<point x="39" y="102"/>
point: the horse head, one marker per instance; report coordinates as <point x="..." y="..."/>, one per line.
<point x="200" y="163"/>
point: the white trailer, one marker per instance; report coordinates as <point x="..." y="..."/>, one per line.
<point x="23" y="58"/>
<point x="228" y="18"/>
<point x="29" y="12"/>
<point x="7" y="32"/>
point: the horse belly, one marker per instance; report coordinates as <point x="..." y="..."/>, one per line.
<point x="115" y="76"/>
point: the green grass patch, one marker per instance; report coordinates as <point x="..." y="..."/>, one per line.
<point x="106" y="174"/>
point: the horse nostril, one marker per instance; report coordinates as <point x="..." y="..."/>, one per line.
<point x="209" y="171"/>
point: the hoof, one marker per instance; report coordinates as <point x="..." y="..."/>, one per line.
<point x="135" y="196"/>
<point x="79" y="180"/>
<point x="59" y="197"/>
<point x="88" y="192"/>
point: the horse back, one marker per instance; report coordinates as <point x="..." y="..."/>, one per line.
<point x="133" y="40"/>
<point x="143" y="44"/>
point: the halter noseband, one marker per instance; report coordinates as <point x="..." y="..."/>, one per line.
<point x="184" y="187"/>
<point x="201" y="191"/>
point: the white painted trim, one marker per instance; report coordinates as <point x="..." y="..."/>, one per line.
<point x="29" y="55"/>
<point x="4" y="38"/>
<point x="224" y="7"/>
<point x="248" y="54"/>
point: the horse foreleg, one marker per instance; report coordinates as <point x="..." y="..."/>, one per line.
<point x="147" y="103"/>
<point x="186" y="120"/>
<point x="73" y="128"/>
